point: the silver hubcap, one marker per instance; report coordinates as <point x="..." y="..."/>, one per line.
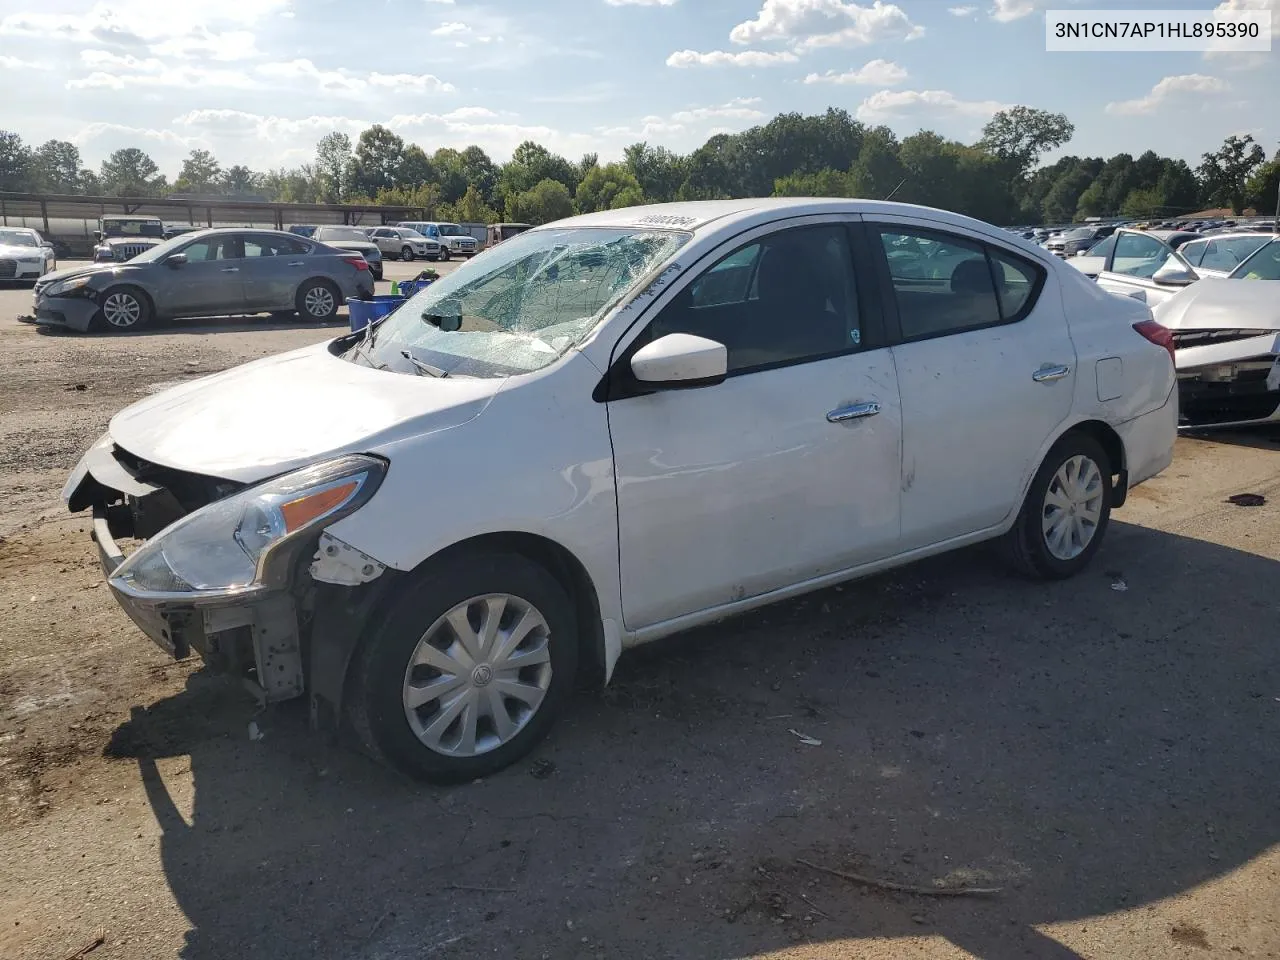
<point x="319" y="302"/>
<point x="122" y="310"/>
<point x="1072" y="508"/>
<point x="478" y="675"/>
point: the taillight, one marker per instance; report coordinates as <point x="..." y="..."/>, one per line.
<point x="358" y="262"/>
<point x="1157" y="333"/>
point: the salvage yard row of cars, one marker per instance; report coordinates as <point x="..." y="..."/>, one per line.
<point x="634" y="422"/>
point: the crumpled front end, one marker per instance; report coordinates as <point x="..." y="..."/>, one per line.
<point x="1227" y="378"/>
<point x="219" y="567"/>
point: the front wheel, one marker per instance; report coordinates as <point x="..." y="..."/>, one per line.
<point x="469" y="670"/>
<point x="1066" y="512"/>
<point x="406" y="253"/>
<point x="444" y="253"/>
<point x="125" y="308"/>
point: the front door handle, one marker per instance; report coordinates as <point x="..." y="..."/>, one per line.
<point x="1049" y="373"/>
<point x="230" y="269"/>
<point x="855" y="411"/>
<point x="296" y="263"/>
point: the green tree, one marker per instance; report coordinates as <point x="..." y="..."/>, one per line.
<point x="877" y="171"/>
<point x="15" y="162"/>
<point x="1092" y="202"/>
<point x="56" y="167"/>
<point x="451" y="174"/>
<point x="200" y="173"/>
<point x="824" y="183"/>
<point x="378" y="156"/>
<point x="482" y="173"/>
<point x="1262" y="191"/>
<point x="607" y="188"/>
<point x="1021" y="135"/>
<point x="335" y="166"/>
<point x="239" y="179"/>
<point x="131" y="173"/>
<point x="547" y="201"/>
<point x="530" y="164"/>
<point x="1063" y="198"/>
<point x="658" y="171"/>
<point x="1145" y="202"/>
<point x="472" y="208"/>
<point x="298" y="185"/>
<point x="1178" y="188"/>
<point x="416" y="168"/>
<point x="1225" y="171"/>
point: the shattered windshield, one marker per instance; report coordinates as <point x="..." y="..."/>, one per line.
<point x="518" y="307"/>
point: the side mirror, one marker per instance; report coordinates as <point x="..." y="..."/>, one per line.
<point x="1082" y="252"/>
<point x="97" y="234"/>
<point x="1174" y="274"/>
<point x="176" y="260"/>
<point x="680" y="361"/>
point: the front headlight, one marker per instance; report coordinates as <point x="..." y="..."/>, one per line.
<point x="63" y="287"/>
<point x="241" y="544"/>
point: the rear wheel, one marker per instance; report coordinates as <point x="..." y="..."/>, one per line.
<point x="125" y="308"/>
<point x="469" y="670"/>
<point x="318" y="300"/>
<point x="1066" y="512"/>
<point x="406" y="253"/>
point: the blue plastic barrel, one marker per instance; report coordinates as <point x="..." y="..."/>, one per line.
<point x="364" y="312"/>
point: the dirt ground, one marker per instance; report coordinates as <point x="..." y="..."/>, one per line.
<point x="1105" y="751"/>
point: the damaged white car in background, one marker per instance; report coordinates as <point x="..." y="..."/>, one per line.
<point x="1226" y="334"/>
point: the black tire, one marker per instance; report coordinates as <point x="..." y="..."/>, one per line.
<point x="406" y="253"/>
<point x="1026" y="544"/>
<point x="311" y="305"/>
<point x="444" y="253"/>
<point x="115" y="307"/>
<point x="377" y="273"/>
<point x="376" y="707"/>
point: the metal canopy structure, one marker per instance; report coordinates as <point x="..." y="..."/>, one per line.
<point x="48" y="212"/>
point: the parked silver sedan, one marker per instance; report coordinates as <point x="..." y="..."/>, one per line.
<point x="203" y="274"/>
<point x="404" y="243"/>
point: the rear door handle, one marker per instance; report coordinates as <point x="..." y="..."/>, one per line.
<point x="296" y="263"/>
<point x="230" y="269"/>
<point x="855" y="411"/>
<point x="1049" y="373"/>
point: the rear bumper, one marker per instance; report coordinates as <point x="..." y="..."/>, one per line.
<point x="1148" y="441"/>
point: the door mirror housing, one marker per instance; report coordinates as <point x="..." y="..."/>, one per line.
<point x="97" y="234"/>
<point x="176" y="260"/>
<point x="681" y="361"/>
<point x="1174" y="274"/>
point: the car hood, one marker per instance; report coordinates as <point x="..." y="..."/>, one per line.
<point x="277" y="414"/>
<point x="68" y="272"/>
<point x="120" y="241"/>
<point x="1219" y="304"/>
<point x="16" y="251"/>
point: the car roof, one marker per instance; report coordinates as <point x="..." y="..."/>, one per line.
<point x="219" y="231"/>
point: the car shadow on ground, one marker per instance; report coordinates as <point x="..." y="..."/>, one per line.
<point x="205" y="325"/>
<point x="1086" y="748"/>
<point x="1260" y="438"/>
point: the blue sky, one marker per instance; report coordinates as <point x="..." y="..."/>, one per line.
<point x="259" y="82"/>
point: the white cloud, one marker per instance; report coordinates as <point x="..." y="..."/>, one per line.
<point x="209" y="28"/>
<point x="740" y="109"/>
<point x="809" y="24"/>
<point x="640" y="3"/>
<point x="116" y="71"/>
<point x="721" y="58"/>
<point x="419" y="82"/>
<point x="886" y="104"/>
<point x="343" y="80"/>
<point x="961" y="11"/>
<point x="14" y="63"/>
<point x="1187" y="85"/>
<point x="469" y="113"/>
<point x="451" y="29"/>
<point x="874" y="73"/>
<point x="1006" y="10"/>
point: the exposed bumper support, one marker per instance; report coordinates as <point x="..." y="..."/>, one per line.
<point x="1230" y="384"/>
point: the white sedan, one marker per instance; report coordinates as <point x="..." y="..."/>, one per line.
<point x="611" y="429"/>
<point x="24" y="255"/>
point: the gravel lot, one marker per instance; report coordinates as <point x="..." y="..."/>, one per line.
<point x="1104" y="750"/>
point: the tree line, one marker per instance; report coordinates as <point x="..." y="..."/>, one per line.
<point x="999" y="178"/>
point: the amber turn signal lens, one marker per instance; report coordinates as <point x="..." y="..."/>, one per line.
<point x="298" y="513"/>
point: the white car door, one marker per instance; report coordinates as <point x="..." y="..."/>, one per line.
<point x="788" y="469"/>
<point x="986" y="371"/>
<point x="1145" y="268"/>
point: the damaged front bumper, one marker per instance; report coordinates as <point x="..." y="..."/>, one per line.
<point x="257" y="631"/>
<point x="1226" y="380"/>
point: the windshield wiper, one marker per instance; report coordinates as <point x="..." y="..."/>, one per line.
<point x="424" y="367"/>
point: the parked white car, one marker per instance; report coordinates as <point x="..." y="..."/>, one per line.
<point x="613" y="428"/>
<point x="453" y="240"/>
<point x="24" y="255"/>
<point x="404" y="243"/>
